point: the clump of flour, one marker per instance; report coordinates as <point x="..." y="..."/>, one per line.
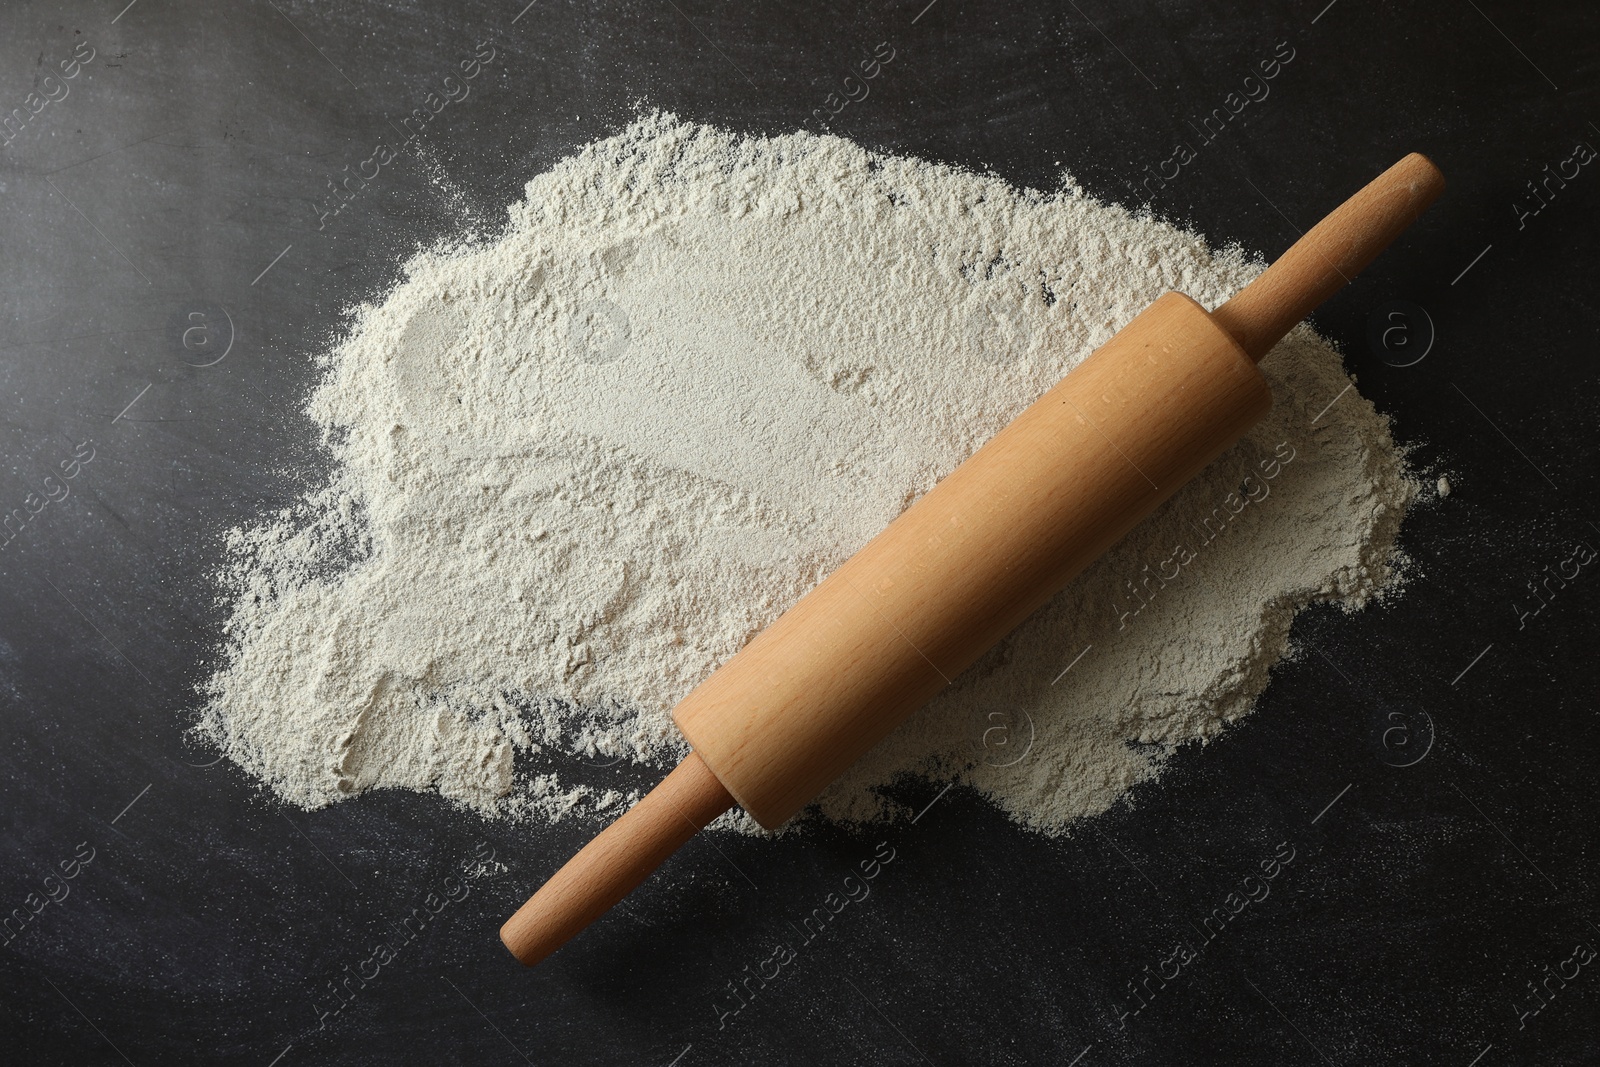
<point x="581" y="463"/>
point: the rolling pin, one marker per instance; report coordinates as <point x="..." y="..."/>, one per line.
<point x="964" y="565"/>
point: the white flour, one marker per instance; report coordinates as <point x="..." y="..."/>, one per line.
<point x="581" y="463"/>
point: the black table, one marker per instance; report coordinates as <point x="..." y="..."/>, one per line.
<point x="1424" y="762"/>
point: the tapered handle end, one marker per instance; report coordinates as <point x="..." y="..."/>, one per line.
<point x="1333" y="252"/>
<point x="614" y="863"/>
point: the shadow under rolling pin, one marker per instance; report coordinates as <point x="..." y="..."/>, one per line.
<point x="959" y="569"/>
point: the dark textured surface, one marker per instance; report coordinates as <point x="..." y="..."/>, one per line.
<point x="194" y="148"/>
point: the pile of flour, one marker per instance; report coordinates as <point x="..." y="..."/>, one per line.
<point x="581" y="463"/>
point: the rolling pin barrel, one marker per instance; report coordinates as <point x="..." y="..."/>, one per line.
<point x="964" y="565"/>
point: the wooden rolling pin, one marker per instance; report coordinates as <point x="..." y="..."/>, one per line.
<point x="961" y="567"/>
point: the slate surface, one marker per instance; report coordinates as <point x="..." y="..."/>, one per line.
<point x="1429" y="763"/>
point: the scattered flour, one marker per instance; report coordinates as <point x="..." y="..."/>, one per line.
<point x="579" y="464"/>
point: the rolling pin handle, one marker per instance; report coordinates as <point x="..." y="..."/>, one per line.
<point x="1326" y="258"/>
<point x="614" y="863"/>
